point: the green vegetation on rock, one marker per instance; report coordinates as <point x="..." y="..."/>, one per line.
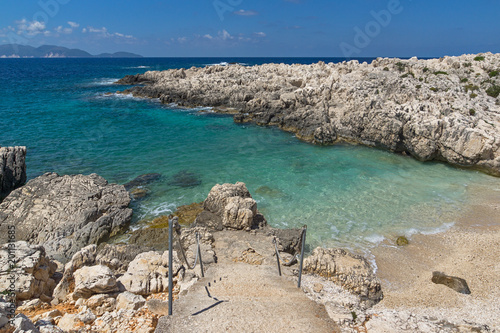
<point x="479" y="58"/>
<point x="493" y="91"/>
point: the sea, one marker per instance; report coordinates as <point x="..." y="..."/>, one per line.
<point x="67" y="112"/>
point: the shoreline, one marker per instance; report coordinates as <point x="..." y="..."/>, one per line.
<point x="470" y="250"/>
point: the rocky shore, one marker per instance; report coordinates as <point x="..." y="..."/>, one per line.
<point x="60" y="273"/>
<point x="445" y="109"/>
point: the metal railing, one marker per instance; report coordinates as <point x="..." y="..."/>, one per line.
<point x="197" y="258"/>
<point x="295" y="257"/>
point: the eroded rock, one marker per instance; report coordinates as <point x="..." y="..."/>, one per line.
<point x="148" y="273"/>
<point x="65" y="213"/>
<point x="12" y="169"/>
<point x="350" y="271"/>
<point x="27" y="268"/>
<point x="230" y="206"/>
<point x="93" y="280"/>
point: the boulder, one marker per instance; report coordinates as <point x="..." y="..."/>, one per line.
<point x="23" y="324"/>
<point x="101" y="303"/>
<point x="350" y="271"/>
<point x="129" y="301"/>
<point x="229" y="206"/>
<point x="84" y="257"/>
<point x="118" y="256"/>
<point x="26" y="270"/>
<point x="65" y="213"/>
<point x="12" y="169"/>
<point x="148" y="273"/>
<point x="92" y="280"/>
<point x="453" y="282"/>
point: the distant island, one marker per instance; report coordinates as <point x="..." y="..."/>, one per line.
<point x="53" y="51"/>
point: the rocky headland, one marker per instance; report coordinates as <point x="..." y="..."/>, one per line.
<point x="445" y="109"/>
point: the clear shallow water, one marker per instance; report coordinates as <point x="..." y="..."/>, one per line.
<point x="347" y="195"/>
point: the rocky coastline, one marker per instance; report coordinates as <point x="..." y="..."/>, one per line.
<point x="445" y="109"/>
<point x="60" y="273"/>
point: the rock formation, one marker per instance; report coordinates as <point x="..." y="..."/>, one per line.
<point x="26" y="271"/>
<point x="352" y="272"/>
<point x="230" y="206"/>
<point x="65" y="213"/>
<point x="12" y="169"/>
<point x="439" y="109"/>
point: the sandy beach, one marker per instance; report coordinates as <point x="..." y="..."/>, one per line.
<point x="470" y="250"/>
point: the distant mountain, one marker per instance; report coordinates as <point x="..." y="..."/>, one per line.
<point x="53" y="51"/>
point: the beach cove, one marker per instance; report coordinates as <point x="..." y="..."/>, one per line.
<point x="350" y="196"/>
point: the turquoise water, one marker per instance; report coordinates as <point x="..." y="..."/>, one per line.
<point x="347" y="195"/>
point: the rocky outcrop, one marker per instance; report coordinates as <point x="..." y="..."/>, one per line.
<point x="12" y="169"/>
<point x="65" y="213"/>
<point x="230" y="206"/>
<point x="26" y="271"/>
<point x="439" y="109"/>
<point x="350" y="271"/>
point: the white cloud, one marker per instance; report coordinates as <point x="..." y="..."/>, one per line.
<point x="104" y="33"/>
<point x="62" y="30"/>
<point x="260" y="34"/>
<point x="224" y="35"/>
<point x="73" y="24"/>
<point x="208" y="36"/>
<point x="31" y="28"/>
<point x="243" y="12"/>
<point x="182" y="39"/>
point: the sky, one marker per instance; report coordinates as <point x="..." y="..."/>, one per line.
<point x="257" y="28"/>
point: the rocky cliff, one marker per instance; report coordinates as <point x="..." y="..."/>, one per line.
<point x="12" y="169"/>
<point x="445" y="109"/>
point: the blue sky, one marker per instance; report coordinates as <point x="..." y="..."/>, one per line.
<point x="314" y="28"/>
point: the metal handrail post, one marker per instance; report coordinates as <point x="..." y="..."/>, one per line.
<point x="304" y="229"/>
<point x="199" y="254"/>
<point x="170" y="266"/>
<point x="277" y="256"/>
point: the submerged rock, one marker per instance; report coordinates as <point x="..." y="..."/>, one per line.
<point x="270" y="192"/>
<point x="65" y="213"/>
<point x="453" y="282"/>
<point x="185" y="179"/>
<point x="142" y="180"/>
<point x="12" y="169"/>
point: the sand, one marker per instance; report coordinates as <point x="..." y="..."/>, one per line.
<point x="470" y="250"/>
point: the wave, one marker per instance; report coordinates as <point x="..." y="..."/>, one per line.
<point x="124" y="97"/>
<point x="107" y="81"/>
<point x="138" y="67"/>
<point x="225" y="63"/>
